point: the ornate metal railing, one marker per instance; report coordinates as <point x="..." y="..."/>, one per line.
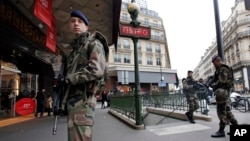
<point x="125" y="105"/>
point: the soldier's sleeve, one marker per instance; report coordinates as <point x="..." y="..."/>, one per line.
<point x="223" y="76"/>
<point x="95" y="68"/>
<point x="186" y="86"/>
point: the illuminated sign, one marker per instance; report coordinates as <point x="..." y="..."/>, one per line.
<point x="128" y="30"/>
<point x="12" y="16"/>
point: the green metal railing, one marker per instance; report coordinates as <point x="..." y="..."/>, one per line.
<point x="124" y="104"/>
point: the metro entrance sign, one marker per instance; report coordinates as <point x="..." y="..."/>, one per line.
<point x="128" y="30"/>
<point x="25" y="106"/>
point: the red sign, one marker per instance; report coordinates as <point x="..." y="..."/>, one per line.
<point x="51" y="36"/>
<point x="128" y="30"/>
<point x="43" y="10"/>
<point x="25" y="106"/>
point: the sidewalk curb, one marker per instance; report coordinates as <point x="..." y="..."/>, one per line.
<point x="126" y="120"/>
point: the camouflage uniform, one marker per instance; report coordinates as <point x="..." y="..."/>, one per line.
<point x="222" y="91"/>
<point x="85" y="66"/>
<point x="192" y="99"/>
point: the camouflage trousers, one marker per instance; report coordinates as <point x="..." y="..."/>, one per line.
<point x="224" y="112"/>
<point x="193" y="104"/>
<point x="80" y="119"/>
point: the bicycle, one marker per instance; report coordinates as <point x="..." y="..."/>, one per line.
<point x="239" y="103"/>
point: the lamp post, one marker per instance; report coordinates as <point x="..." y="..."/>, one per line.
<point x="134" y="10"/>
<point x="218" y="30"/>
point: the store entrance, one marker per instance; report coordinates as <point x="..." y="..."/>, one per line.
<point x="9" y="89"/>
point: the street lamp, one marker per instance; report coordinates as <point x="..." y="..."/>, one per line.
<point x="218" y="30"/>
<point x="133" y="10"/>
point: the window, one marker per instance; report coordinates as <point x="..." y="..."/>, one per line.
<point x="248" y="17"/>
<point x="117" y="58"/>
<point x="146" y="21"/>
<point x="124" y="16"/>
<point x="118" y="43"/>
<point x="126" y="58"/>
<point x="139" y="59"/>
<point x="248" y="29"/>
<point x="126" y="44"/>
<point x="237" y="47"/>
<point x="149" y="61"/>
<point x="148" y="47"/>
<point x="158" y="61"/>
<point x="138" y="46"/>
<point x="155" y="24"/>
<point x="157" y="48"/>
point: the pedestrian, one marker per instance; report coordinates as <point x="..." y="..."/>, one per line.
<point x="104" y="99"/>
<point x="85" y="66"/>
<point x="40" y="103"/>
<point x="222" y="84"/>
<point x="48" y="104"/>
<point x="189" y="90"/>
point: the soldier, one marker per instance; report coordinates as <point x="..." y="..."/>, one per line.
<point x="85" y="68"/>
<point x="189" y="90"/>
<point x="222" y="83"/>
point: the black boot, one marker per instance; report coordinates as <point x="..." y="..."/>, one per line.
<point x="219" y="133"/>
<point x="190" y="117"/>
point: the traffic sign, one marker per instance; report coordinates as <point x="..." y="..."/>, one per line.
<point x="162" y="84"/>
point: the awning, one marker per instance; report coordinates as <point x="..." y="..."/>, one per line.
<point x="146" y="77"/>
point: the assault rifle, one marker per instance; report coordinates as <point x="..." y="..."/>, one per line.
<point x="58" y="94"/>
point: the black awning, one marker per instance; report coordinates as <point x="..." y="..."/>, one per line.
<point x="32" y="64"/>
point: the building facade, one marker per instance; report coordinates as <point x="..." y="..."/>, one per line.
<point x="236" y="47"/>
<point x="155" y="71"/>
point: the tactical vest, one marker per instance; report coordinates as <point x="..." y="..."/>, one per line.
<point x="80" y="57"/>
<point x="230" y="78"/>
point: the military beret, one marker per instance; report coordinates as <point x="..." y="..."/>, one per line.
<point x="79" y="14"/>
<point x="190" y="71"/>
<point x="215" y="57"/>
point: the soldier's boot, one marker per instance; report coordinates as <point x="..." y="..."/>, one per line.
<point x="233" y="122"/>
<point x="190" y="117"/>
<point x="219" y="133"/>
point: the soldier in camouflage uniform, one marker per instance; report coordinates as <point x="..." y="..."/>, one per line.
<point x="85" y="68"/>
<point x="189" y="90"/>
<point x="222" y="83"/>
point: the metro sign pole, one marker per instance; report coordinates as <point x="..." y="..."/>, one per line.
<point x="135" y="31"/>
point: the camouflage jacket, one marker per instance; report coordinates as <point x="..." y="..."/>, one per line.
<point x="223" y="77"/>
<point x="86" y="64"/>
<point x="188" y="87"/>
